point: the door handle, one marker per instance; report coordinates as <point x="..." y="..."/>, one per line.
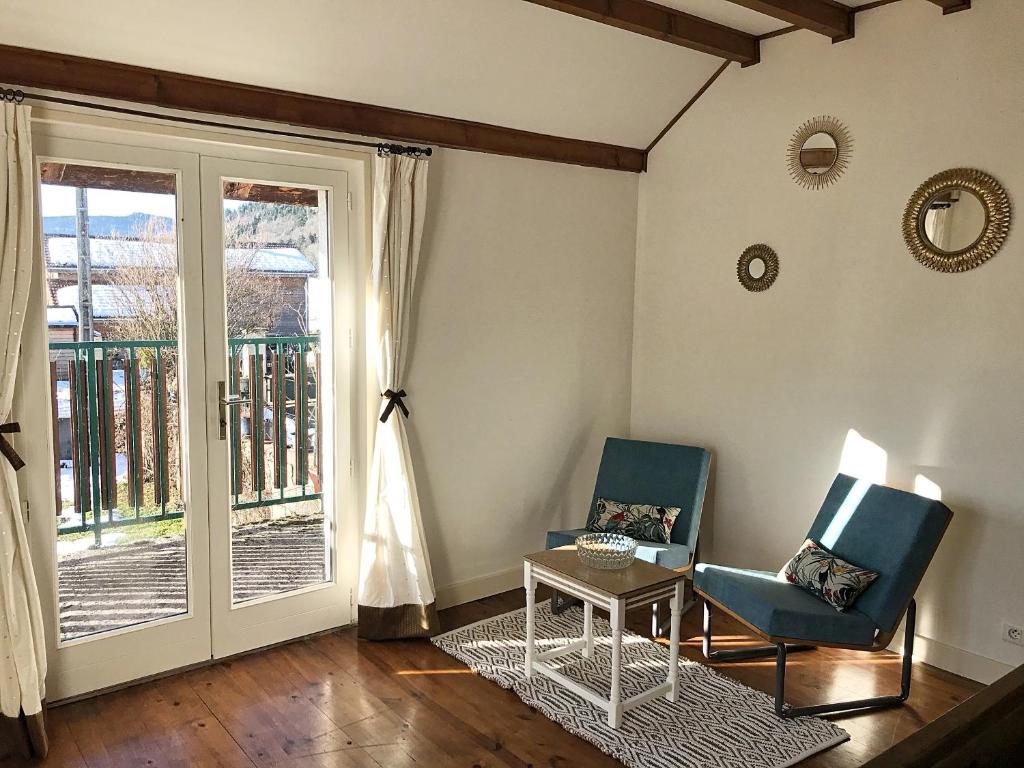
<point x="225" y="401"/>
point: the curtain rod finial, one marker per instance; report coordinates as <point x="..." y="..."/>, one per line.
<point x="400" y="149"/>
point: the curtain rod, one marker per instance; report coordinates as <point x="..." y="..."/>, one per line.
<point x="17" y="96"/>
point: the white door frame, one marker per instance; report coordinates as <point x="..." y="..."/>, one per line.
<point x="85" y="664"/>
<point x="257" y="623"/>
<point x="126" y="140"/>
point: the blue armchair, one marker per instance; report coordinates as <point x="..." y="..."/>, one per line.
<point x="892" y="532"/>
<point x="639" y="472"/>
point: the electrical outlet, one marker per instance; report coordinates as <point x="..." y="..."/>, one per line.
<point x="1013" y="634"/>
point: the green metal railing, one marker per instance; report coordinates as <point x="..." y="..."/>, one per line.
<point x="122" y="401"/>
<point x="279" y="365"/>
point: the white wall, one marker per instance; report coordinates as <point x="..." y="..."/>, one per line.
<point x="521" y="356"/>
<point x="854" y="334"/>
<point x="510" y="63"/>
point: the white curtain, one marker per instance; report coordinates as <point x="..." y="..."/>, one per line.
<point x="22" y="645"/>
<point x="396" y="589"/>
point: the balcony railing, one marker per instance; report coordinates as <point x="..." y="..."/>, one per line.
<point x="117" y="446"/>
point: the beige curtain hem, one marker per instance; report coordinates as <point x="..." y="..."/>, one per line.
<point x="398" y="622"/>
<point x="27" y="734"/>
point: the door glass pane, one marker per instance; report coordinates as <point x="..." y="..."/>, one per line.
<point x="278" y="301"/>
<point x="111" y="248"/>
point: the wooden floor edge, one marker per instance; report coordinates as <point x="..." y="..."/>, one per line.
<point x="189" y="667"/>
<point x="981" y="731"/>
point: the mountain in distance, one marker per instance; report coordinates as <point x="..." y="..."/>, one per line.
<point x="248" y="224"/>
<point x="106" y="226"/>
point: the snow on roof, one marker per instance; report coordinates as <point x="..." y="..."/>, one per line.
<point x="281" y="259"/>
<point x="106" y="253"/>
<point x="109" y="302"/>
<point x="61" y="316"/>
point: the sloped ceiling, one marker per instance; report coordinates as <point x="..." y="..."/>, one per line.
<point x="737" y="17"/>
<point x="504" y="62"/>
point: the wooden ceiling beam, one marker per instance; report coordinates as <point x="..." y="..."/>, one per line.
<point x="29" y="68"/>
<point x="826" y="17"/>
<point x="102" y="177"/>
<point x="662" y="23"/>
<point x="153" y="182"/>
<point x="270" y="193"/>
<point x="952" y="6"/>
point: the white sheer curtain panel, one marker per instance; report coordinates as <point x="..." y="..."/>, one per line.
<point x="396" y="589"/>
<point x="22" y="644"/>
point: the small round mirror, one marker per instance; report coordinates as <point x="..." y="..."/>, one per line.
<point x="953" y="220"/>
<point x="818" y="154"/>
<point x="757" y="267"/>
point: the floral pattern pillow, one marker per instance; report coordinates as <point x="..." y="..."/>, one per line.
<point x="643" y="522"/>
<point x="827" y="575"/>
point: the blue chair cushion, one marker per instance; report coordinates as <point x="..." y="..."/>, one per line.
<point x="641" y="472"/>
<point x="889" y="531"/>
<point x="667" y="555"/>
<point x="781" y="609"/>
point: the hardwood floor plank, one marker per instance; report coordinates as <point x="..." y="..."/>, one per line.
<point x="162" y="723"/>
<point x="451" y="735"/>
<point x="345" y="758"/>
<point x="367" y="719"/>
<point x="506" y="720"/>
<point x="267" y="717"/>
<point x="64" y="749"/>
<point x="335" y="693"/>
<point x="425" y="725"/>
<point x="333" y="700"/>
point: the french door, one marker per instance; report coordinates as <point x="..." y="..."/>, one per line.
<point x="197" y="314"/>
<point x="277" y="371"/>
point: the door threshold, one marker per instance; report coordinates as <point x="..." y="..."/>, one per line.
<point x="189" y="667"/>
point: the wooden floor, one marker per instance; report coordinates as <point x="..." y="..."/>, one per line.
<point x="333" y="700"/>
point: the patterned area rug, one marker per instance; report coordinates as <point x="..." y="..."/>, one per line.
<point x="716" y="723"/>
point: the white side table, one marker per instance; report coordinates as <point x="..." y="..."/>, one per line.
<point x="616" y="591"/>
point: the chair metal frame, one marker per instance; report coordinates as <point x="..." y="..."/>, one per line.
<point x="781" y="647"/>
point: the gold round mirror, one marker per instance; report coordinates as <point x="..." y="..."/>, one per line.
<point x="819" y="152"/>
<point x="957" y="220"/>
<point x="757" y="268"/>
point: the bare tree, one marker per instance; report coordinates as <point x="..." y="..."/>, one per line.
<point x="145" y="285"/>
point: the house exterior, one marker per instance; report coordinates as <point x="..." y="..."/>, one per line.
<point x="114" y="302"/>
<point x="284" y="262"/>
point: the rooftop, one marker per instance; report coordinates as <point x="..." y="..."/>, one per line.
<point x="109" y="302"/>
<point x="111" y="253"/>
<point x="63" y="316"/>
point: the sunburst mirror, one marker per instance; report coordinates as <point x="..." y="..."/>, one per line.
<point x="819" y="152"/>
<point x="957" y="220"/>
<point x="757" y="268"/>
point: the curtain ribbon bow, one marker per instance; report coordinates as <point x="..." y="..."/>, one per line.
<point x="6" y="448"/>
<point x="394" y="400"/>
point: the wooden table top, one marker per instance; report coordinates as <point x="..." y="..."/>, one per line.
<point x="639" y="577"/>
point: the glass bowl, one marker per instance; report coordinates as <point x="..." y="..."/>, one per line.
<point x="608" y="551"/>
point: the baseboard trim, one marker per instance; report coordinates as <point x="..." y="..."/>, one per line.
<point x="482" y="586"/>
<point x="956" y="660"/>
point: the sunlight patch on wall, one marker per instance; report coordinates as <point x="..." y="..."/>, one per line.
<point x="863" y="459"/>
<point x="927" y="488"/>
